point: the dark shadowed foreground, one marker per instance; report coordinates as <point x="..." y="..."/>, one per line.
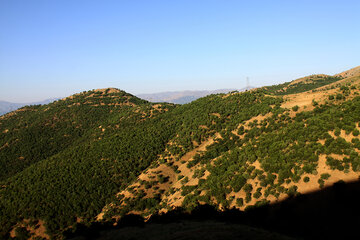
<point x="332" y="213"/>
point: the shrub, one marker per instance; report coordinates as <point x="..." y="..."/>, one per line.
<point x="185" y="180"/>
<point x="162" y="179"/>
<point x="292" y="190"/>
<point x="356" y="132"/>
<point x="325" y="176"/>
<point x="248" y="197"/>
<point x="339" y="96"/>
<point x="240" y="202"/>
<point x="248" y="188"/>
<point x="295" y="108"/>
<point x="22" y="233"/>
<point x="147" y="185"/>
<point x="337" y="132"/>
<point x="257" y="195"/>
<point x="296" y="178"/>
<point x="306" y="179"/>
<point x="238" y="183"/>
<point x="321" y="183"/>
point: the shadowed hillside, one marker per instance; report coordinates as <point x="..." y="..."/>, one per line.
<point x="330" y="213"/>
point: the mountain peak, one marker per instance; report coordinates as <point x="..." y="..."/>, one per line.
<point x="100" y="92"/>
<point x="108" y="90"/>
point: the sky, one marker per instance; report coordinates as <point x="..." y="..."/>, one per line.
<point x="57" y="48"/>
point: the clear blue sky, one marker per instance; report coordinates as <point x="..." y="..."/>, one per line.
<point x="57" y="48"/>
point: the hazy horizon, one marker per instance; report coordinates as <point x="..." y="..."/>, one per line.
<point x="55" y="49"/>
<point x="137" y="94"/>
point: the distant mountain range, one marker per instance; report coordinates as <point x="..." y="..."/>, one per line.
<point x="6" y="107"/>
<point x="182" y="97"/>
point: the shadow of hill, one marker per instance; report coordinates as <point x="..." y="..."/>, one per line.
<point x="331" y="213"/>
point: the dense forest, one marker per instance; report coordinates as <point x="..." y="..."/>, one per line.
<point x="62" y="163"/>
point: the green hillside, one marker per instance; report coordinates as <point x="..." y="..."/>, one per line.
<point x="64" y="155"/>
<point x="34" y="133"/>
<point x="106" y="151"/>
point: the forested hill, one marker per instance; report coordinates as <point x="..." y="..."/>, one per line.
<point x="34" y="133"/>
<point x="101" y="154"/>
<point x="63" y="161"/>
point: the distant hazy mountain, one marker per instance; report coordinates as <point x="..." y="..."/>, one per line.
<point x="182" y="97"/>
<point x="6" y="107"/>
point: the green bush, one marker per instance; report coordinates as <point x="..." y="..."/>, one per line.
<point x="339" y="96"/>
<point x="337" y="132"/>
<point x="248" y="197"/>
<point x="295" y="108"/>
<point x="356" y="132"/>
<point x="240" y="202"/>
<point x="325" y="176"/>
<point x="22" y="233"/>
<point x="248" y="188"/>
<point x="257" y="195"/>
<point x="292" y="190"/>
<point x="162" y="179"/>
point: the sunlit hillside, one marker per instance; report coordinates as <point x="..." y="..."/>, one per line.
<point x="99" y="155"/>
